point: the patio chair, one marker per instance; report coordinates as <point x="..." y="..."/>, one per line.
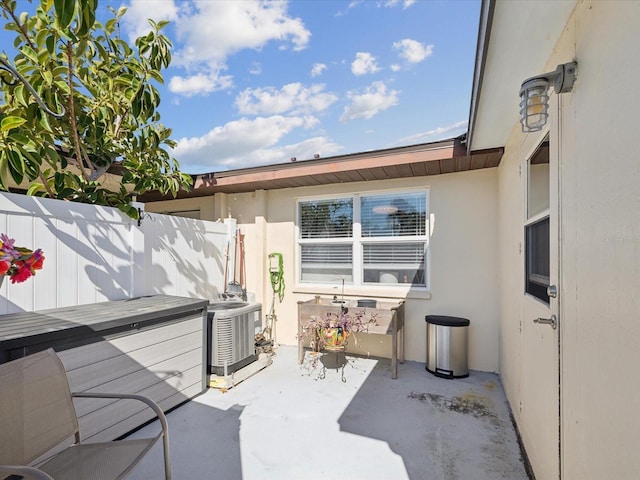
<point x="37" y="415"/>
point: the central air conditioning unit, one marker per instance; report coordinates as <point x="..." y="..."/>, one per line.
<point x="232" y="336"/>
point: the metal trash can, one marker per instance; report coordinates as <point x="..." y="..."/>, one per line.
<point x="447" y="346"/>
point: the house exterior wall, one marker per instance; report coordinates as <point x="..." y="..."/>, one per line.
<point x="463" y="259"/>
<point x="205" y="205"/>
<point x="599" y="248"/>
<point x="601" y="209"/>
<point x="511" y="268"/>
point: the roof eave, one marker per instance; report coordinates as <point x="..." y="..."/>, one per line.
<point x="484" y="35"/>
<point x="403" y="162"/>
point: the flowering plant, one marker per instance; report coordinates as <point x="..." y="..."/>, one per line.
<point x="17" y="262"/>
<point x="332" y="329"/>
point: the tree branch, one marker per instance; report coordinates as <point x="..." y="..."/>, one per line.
<point x="46" y="184"/>
<point x="119" y="118"/>
<point x="72" y="116"/>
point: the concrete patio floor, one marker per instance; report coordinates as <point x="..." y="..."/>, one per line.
<point x="286" y="422"/>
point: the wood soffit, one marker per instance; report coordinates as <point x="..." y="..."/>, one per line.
<point x="404" y="162"/>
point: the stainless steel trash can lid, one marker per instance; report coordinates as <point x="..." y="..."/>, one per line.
<point x="447" y="321"/>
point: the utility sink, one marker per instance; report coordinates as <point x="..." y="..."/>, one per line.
<point x="389" y="320"/>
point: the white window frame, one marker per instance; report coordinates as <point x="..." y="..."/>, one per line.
<point x="358" y="241"/>
<point x="532" y="218"/>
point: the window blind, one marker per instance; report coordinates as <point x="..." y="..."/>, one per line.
<point x="391" y="215"/>
<point x="326" y="218"/>
<point x="326" y="254"/>
<point x="398" y="255"/>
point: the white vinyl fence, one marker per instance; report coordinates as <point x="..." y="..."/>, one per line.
<point x="94" y="254"/>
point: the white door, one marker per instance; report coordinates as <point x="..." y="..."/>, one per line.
<point x="540" y="335"/>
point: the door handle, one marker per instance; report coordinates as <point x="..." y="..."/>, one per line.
<point x="553" y="321"/>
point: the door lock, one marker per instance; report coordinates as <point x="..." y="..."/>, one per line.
<point x="552" y="291"/>
<point x="553" y="321"/>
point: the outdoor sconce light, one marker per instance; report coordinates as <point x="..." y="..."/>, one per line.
<point x="534" y="99"/>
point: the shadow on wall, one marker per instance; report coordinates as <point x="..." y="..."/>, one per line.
<point x="96" y="253"/>
<point x="172" y="237"/>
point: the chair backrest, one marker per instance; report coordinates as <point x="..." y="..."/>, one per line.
<point x="36" y="410"/>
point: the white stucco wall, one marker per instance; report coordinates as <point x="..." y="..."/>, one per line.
<point x="600" y="247"/>
<point x="463" y="259"/>
<point x="464" y="262"/>
<point x="511" y="210"/>
<point x="601" y="208"/>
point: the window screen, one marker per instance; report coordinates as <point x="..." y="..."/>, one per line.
<point x="537" y="260"/>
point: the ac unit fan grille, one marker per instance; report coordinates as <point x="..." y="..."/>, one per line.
<point x="233" y="338"/>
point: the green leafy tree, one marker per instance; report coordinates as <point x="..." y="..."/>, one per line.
<point x="103" y="102"/>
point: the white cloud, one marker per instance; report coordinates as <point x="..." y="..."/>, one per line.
<point x="135" y="20"/>
<point x="199" y="84"/>
<point x="430" y="134"/>
<point x="395" y="67"/>
<point x="405" y="3"/>
<point x="212" y="31"/>
<point x="352" y="4"/>
<point x="317" y="69"/>
<point x="245" y="143"/>
<point x="379" y="4"/>
<point x="364" y="63"/>
<point x="369" y="103"/>
<point x="208" y="32"/>
<point x="293" y="98"/>
<point x="413" y="51"/>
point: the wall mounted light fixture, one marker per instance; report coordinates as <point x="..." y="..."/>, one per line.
<point x="534" y="99"/>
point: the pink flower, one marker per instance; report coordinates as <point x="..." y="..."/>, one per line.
<point x="6" y="241"/>
<point x="35" y="261"/>
<point x="38" y="260"/>
<point x="17" y="262"/>
<point x="23" y="272"/>
<point x="5" y="265"/>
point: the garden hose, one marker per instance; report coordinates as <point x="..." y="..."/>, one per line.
<point x="276" y="275"/>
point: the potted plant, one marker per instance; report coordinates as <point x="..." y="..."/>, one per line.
<point x="18" y="263"/>
<point x="331" y="330"/>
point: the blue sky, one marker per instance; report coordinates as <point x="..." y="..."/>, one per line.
<point x="256" y="82"/>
